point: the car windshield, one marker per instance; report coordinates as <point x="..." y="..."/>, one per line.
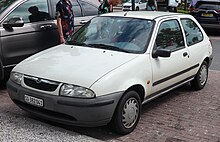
<point x="208" y="5"/>
<point x="114" y="33"/>
<point x="4" y="4"/>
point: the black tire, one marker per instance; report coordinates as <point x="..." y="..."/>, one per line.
<point x="127" y="113"/>
<point x="201" y="77"/>
<point x="137" y="8"/>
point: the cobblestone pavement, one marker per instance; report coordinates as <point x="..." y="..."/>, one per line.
<point x="182" y="115"/>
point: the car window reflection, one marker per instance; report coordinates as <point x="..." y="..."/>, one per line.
<point x="127" y="34"/>
<point x="37" y="15"/>
<point x="29" y="10"/>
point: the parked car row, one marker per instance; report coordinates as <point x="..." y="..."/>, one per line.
<point x="207" y="13"/>
<point x="21" y="37"/>
<point x="139" y="5"/>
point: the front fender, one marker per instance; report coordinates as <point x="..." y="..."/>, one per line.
<point x="135" y="72"/>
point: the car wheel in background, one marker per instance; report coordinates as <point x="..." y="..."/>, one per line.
<point x="137" y="8"/>
<point x="127" y="113"/>
<point x="1" y="71"/>
<point x="201" y="77"/>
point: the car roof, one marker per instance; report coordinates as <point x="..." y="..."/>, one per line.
<point x="142" y="14"/>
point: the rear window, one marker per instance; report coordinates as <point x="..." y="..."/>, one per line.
<point x="207" y="5"/>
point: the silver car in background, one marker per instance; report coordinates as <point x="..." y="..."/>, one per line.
<point x="21" y="37"/>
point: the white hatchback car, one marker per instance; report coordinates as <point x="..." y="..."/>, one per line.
<point x="110" y="67"/>
<point x="139" y="5"/>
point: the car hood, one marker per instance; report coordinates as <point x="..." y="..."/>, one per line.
<point x="73" y="64"/>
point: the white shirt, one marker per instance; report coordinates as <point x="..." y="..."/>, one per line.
<point x="173" y="3"/>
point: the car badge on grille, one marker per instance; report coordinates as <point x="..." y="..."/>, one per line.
<point x="38" y="80"/>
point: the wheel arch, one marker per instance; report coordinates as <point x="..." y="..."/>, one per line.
<point x="207" y="60"/>
<point x="137" y="88"/>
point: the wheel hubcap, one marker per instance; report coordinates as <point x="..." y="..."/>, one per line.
<point x="203" y="75"/>
<point x="130" y="113"/>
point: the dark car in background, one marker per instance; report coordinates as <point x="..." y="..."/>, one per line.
<point x="21" y="36"/>
<point x="207" y="13"/>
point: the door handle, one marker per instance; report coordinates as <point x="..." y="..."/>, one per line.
<point x="185" y="54"/>
<point x="44" y="27"/>
<point x="83" y="21"/>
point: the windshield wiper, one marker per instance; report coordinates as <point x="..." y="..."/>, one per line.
<point x="108" y="47"/>
<point x="76" y="43"/>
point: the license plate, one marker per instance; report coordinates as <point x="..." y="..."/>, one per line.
<point x="207" y="14"/>
<point x="34" y="101"/>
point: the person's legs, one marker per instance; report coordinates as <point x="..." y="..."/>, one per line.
<point x="175" y="9"/>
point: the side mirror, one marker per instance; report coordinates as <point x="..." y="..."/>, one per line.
<point x="161" y="53"/>
<point x="14" y="22"/>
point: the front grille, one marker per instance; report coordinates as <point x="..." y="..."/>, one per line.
<point x="41" y="84"/>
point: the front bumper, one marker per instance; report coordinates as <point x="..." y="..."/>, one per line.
<point x="126" y="8"/>
<point x="67" y="110"/>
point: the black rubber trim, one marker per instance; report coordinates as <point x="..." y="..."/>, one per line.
<point x="80" y="104"/>
<point x="169" y="87"/>
<point x="10" y="87"/>
<point x="174" y="75"/>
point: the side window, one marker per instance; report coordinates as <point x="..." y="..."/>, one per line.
<point x="32" y="11"/>
<point x="192" y="32"/>
<point x="89" y="9"/>
<point x="169" y="36"/>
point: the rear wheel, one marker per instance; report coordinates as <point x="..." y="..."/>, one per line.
<point x="201" y="77"/>
<point x="137" y="8"/>
<point x="127" y="113"/>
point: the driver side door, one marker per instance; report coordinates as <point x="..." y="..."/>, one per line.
<point x="169" y="72"/>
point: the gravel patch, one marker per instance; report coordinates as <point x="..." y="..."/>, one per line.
<point x="15" y="128"/>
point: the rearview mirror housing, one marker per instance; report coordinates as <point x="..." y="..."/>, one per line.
<point x="14" y="22"/>
<point x="161" y="53"/>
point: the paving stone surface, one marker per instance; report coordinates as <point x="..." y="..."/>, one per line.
<point x="182" y="115"/>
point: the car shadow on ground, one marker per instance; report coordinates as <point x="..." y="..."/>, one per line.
<point x="105" y="133"/>
<point x="2" y="85"/>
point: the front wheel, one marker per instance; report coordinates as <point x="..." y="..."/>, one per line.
<point x="137" y="8"/>
<point x="201" y="77"/>
<point x="127" y="113"/>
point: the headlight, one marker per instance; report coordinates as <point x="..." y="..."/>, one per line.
<point x="76" y="91"/>
<point x="16" y="77"/>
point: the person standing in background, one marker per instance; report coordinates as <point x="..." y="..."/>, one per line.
<point x="192" y="4"/>
<point x="152" y="5"/>
<point x="107" y="6"/>
<point x="65" y="19"/>
<point x="172" y="5"/>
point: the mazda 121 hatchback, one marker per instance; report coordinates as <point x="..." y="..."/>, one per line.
<point x="110" y="67"/>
